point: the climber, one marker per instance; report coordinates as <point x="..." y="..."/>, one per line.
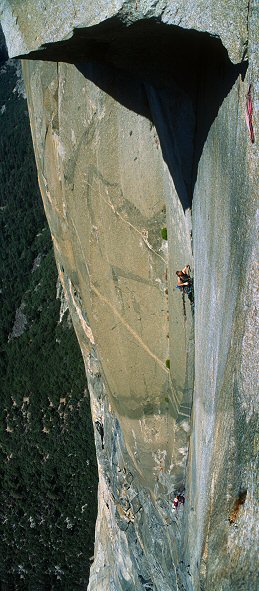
<point x="184" y="279"/>
<point x="100" y="429"/>
<point x="181" y="499"/>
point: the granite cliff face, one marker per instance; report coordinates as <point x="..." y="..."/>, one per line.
<point x="138" y="121"/>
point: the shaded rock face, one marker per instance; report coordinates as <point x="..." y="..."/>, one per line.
<point x="144" y="125"/>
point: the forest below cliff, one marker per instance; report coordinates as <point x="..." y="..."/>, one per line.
<point x="48" y="492"/>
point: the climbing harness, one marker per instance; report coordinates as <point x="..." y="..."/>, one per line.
<point x="249" y="113"/>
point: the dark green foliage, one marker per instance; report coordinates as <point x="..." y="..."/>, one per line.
<point x="3" y="49"/>
<point x="48" y="471"/>
<point x="167" y="363"/>
<point x="164" y="233"/>
<point x="21" y="211"/>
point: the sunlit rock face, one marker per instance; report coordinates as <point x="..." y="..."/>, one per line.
<point x="223" y="460"/>
<point x="143" y="128"/>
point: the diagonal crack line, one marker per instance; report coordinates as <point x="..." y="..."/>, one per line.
<point x="116" y="313"/>
<point x="128" y="327"/>
<point x="131" y="225"/>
